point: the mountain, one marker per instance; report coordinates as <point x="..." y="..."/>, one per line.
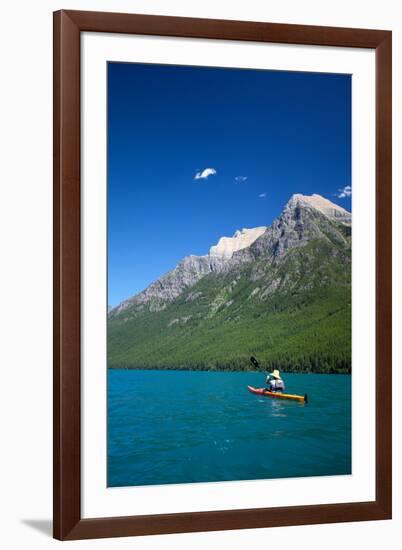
<point x="282" y="293"/>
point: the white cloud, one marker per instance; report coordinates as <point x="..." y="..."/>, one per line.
<point x="204" y="174"/>
<point x="240" y="179"/>
<point x="344" y="192"/>
<point x="262" y="195"/>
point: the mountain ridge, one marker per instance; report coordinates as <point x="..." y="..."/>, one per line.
<point x="192" y="268"/>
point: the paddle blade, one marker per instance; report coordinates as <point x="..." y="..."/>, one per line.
<point x="254" y="362"/>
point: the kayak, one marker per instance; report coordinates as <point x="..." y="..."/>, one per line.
<point x="278" y="395"/>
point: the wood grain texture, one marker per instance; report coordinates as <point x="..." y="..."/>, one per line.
<point x="384" y="271"/>
<point x="225" y="29"/>
<point x="67" y="346"/>
<point x="68" y="25"/>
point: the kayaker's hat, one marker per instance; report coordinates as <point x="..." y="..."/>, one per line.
<point x="275" y="374"/>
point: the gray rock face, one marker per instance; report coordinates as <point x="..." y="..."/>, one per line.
<point x="188" y="272"/>
<point x="299" y="223"/>
<point x="303" y="219"/>
<point x="329" y="209"/>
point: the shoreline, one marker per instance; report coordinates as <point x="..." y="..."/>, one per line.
<point x="159" y="369"/>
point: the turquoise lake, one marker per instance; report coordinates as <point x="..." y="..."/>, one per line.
<point x="190" y="426"/>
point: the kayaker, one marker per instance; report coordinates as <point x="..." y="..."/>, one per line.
<point x="275" y="382"/>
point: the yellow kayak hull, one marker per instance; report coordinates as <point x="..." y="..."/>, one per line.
<point x="278" y="395"/>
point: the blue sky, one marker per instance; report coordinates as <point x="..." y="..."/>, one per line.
<point x="195" y="153"/>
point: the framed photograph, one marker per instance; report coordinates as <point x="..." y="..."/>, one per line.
<point x="222" y="272"/>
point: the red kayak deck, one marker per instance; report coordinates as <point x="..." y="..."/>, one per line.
<point x="277" y="395"/>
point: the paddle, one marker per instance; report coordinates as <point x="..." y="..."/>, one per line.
<point x="255" y="363"/>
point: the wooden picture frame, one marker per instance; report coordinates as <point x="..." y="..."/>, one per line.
<point x="68" y="25"/>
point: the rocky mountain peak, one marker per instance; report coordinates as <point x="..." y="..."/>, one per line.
<point x="243" y="238"/>
<point x="329" y="209"/>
